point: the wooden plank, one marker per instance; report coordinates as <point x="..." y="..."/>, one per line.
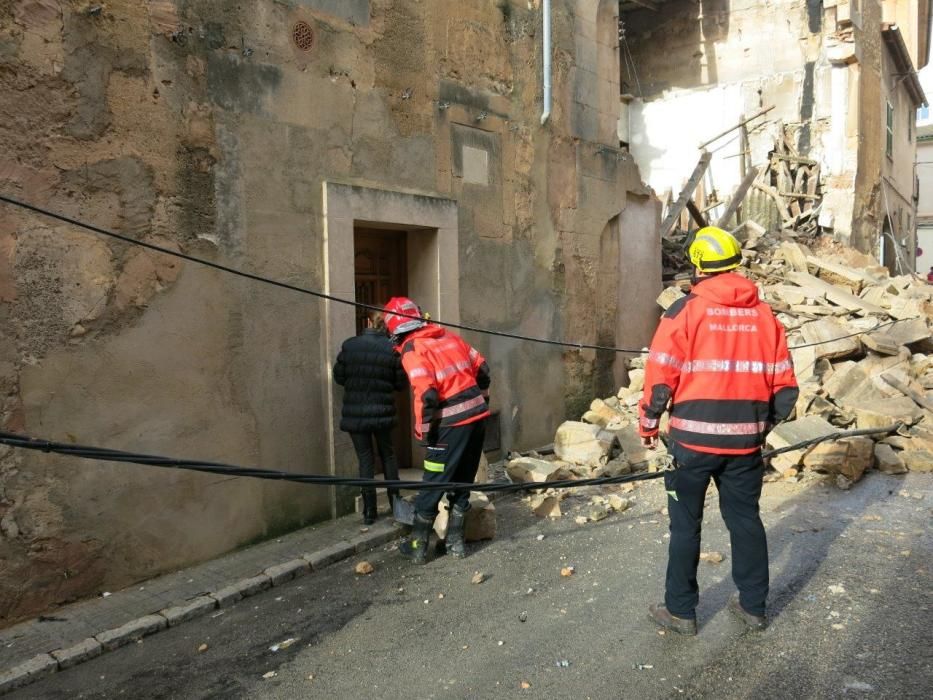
<point x="733" y="128"/>
<point x="773" y="193"/>
<point x="738" y="197"/>
<point x="795" y="159"/>
<point x="686" y="194"/>
<point x="696" y="213"/>
<point x="799" y="195"/>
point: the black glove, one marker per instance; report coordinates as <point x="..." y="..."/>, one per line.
<point x="433" y="433"/>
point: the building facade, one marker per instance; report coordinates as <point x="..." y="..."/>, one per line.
<point x="363" y="148"/>
<point x="840" y="79"/>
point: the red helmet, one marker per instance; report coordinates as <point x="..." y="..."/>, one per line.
<point x="397" y="325"/>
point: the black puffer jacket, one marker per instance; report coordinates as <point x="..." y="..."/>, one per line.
<point x="371" y="372"/>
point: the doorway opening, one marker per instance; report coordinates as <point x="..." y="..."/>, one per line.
<point x="380" y="271"/>
<point x="425" y="226"/>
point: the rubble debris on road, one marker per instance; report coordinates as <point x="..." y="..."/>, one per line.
<point x="282" y="645"/>
<point x="478" y="577"/>
<point x="363" y="568"/>
<point x="711" y="557"/>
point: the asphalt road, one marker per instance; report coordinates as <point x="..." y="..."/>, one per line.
<point x="851" y="608"/>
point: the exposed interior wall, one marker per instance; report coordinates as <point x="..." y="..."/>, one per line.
<point x="820" y="66"/>
<point x="198" y="124"/>
<point x="708" y="65"/>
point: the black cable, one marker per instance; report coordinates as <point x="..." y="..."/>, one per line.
<point x="108" y="455"/>
<point x="852" y="335"/>
<point x="369" y="307"/>
<point x="295" y="288"/>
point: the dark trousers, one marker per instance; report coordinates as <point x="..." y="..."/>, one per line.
<point x="455" y="457"/>
<point x="363" y="444"/>
<point x="738" y="478"/>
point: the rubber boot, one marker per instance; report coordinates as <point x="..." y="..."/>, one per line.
<point x="369" y="506"/>
<point x="415" y="546"/>
<point x="456" y="544"/>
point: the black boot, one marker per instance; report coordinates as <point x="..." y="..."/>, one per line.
<point x="369" y="507"/>
<point x="456" y="543"/>
<point x="415" y="546"/>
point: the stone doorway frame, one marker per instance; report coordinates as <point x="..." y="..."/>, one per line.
<point x="433" y="280"/>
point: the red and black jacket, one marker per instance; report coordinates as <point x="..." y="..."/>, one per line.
<point x="720" y="358"/>
<point x="449" y="379"/>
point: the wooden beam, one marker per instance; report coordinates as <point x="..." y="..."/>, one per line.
<point x="797" y="160"/>
<point x="696" y="213"/>
<point x="738" y="197"/>
<point x="678" y="206"/>
<point x="773" y="193"/>
<point x="733" y="128"/>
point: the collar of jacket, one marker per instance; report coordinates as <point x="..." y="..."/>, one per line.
<point x="727" y="289"/>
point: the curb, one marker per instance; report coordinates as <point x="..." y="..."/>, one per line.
<point x="43" y="665"/>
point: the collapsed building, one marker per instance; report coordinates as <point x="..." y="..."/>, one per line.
<point x="834" y="79"/>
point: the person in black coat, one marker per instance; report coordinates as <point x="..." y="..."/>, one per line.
<point x="371" y="372"/>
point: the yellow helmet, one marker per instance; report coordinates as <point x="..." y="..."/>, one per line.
<point x="714" y="250"/>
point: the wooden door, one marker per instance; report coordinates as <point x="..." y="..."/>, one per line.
<point x="381" y="272"/>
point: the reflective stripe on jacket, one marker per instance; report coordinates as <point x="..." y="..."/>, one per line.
<point x="720" y="359"/>
<point x="449" y="379"/>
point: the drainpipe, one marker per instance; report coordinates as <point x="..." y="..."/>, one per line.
<point x="546" y="49"/>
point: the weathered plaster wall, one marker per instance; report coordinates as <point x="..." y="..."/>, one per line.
<point x="198" y="124"/>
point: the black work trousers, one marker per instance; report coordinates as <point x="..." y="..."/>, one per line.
<point x="739" y="479"/>
<point x="454" y="457"/>
<point x="363" y="444"/>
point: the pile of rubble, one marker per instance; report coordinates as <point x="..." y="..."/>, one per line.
<point x="863" y="357"/>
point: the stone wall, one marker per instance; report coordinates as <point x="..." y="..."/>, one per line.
<point x="200" y="125"/>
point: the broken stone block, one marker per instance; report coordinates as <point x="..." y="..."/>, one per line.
<point x="831" y="336"/>
<point x="603" y="415"/>
<point x="546" y="506"/>
<point x="636" y="379"/>
<point x="881" y="343"/>
<point x="480" y="519"/>
<point x="636" y="454"/>
<point x="482" y="472"/>
<point x="793" y="432"/>
<point x="599" y="511"/>
<point x="794" y="254"/>
<point x="850" y="457"/>
<point x="888" y="461"/>
<point x="804" y="362"/>
<point x="618" y="503"/>
<point x="669" y="296"/>
<point x="840" y="275"/>
<point x="844" y="376"/>
<point x="885" y="412"/>
<point x="582" y="443"/>
<point x="909" y="331"/>
<point x="529" y="469"/>
<point x="614" y="467"/>
<point x="918" y="459"/>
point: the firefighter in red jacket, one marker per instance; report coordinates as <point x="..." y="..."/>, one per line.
<point x="450" y="400"/>
<point x="719" y="361"/>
